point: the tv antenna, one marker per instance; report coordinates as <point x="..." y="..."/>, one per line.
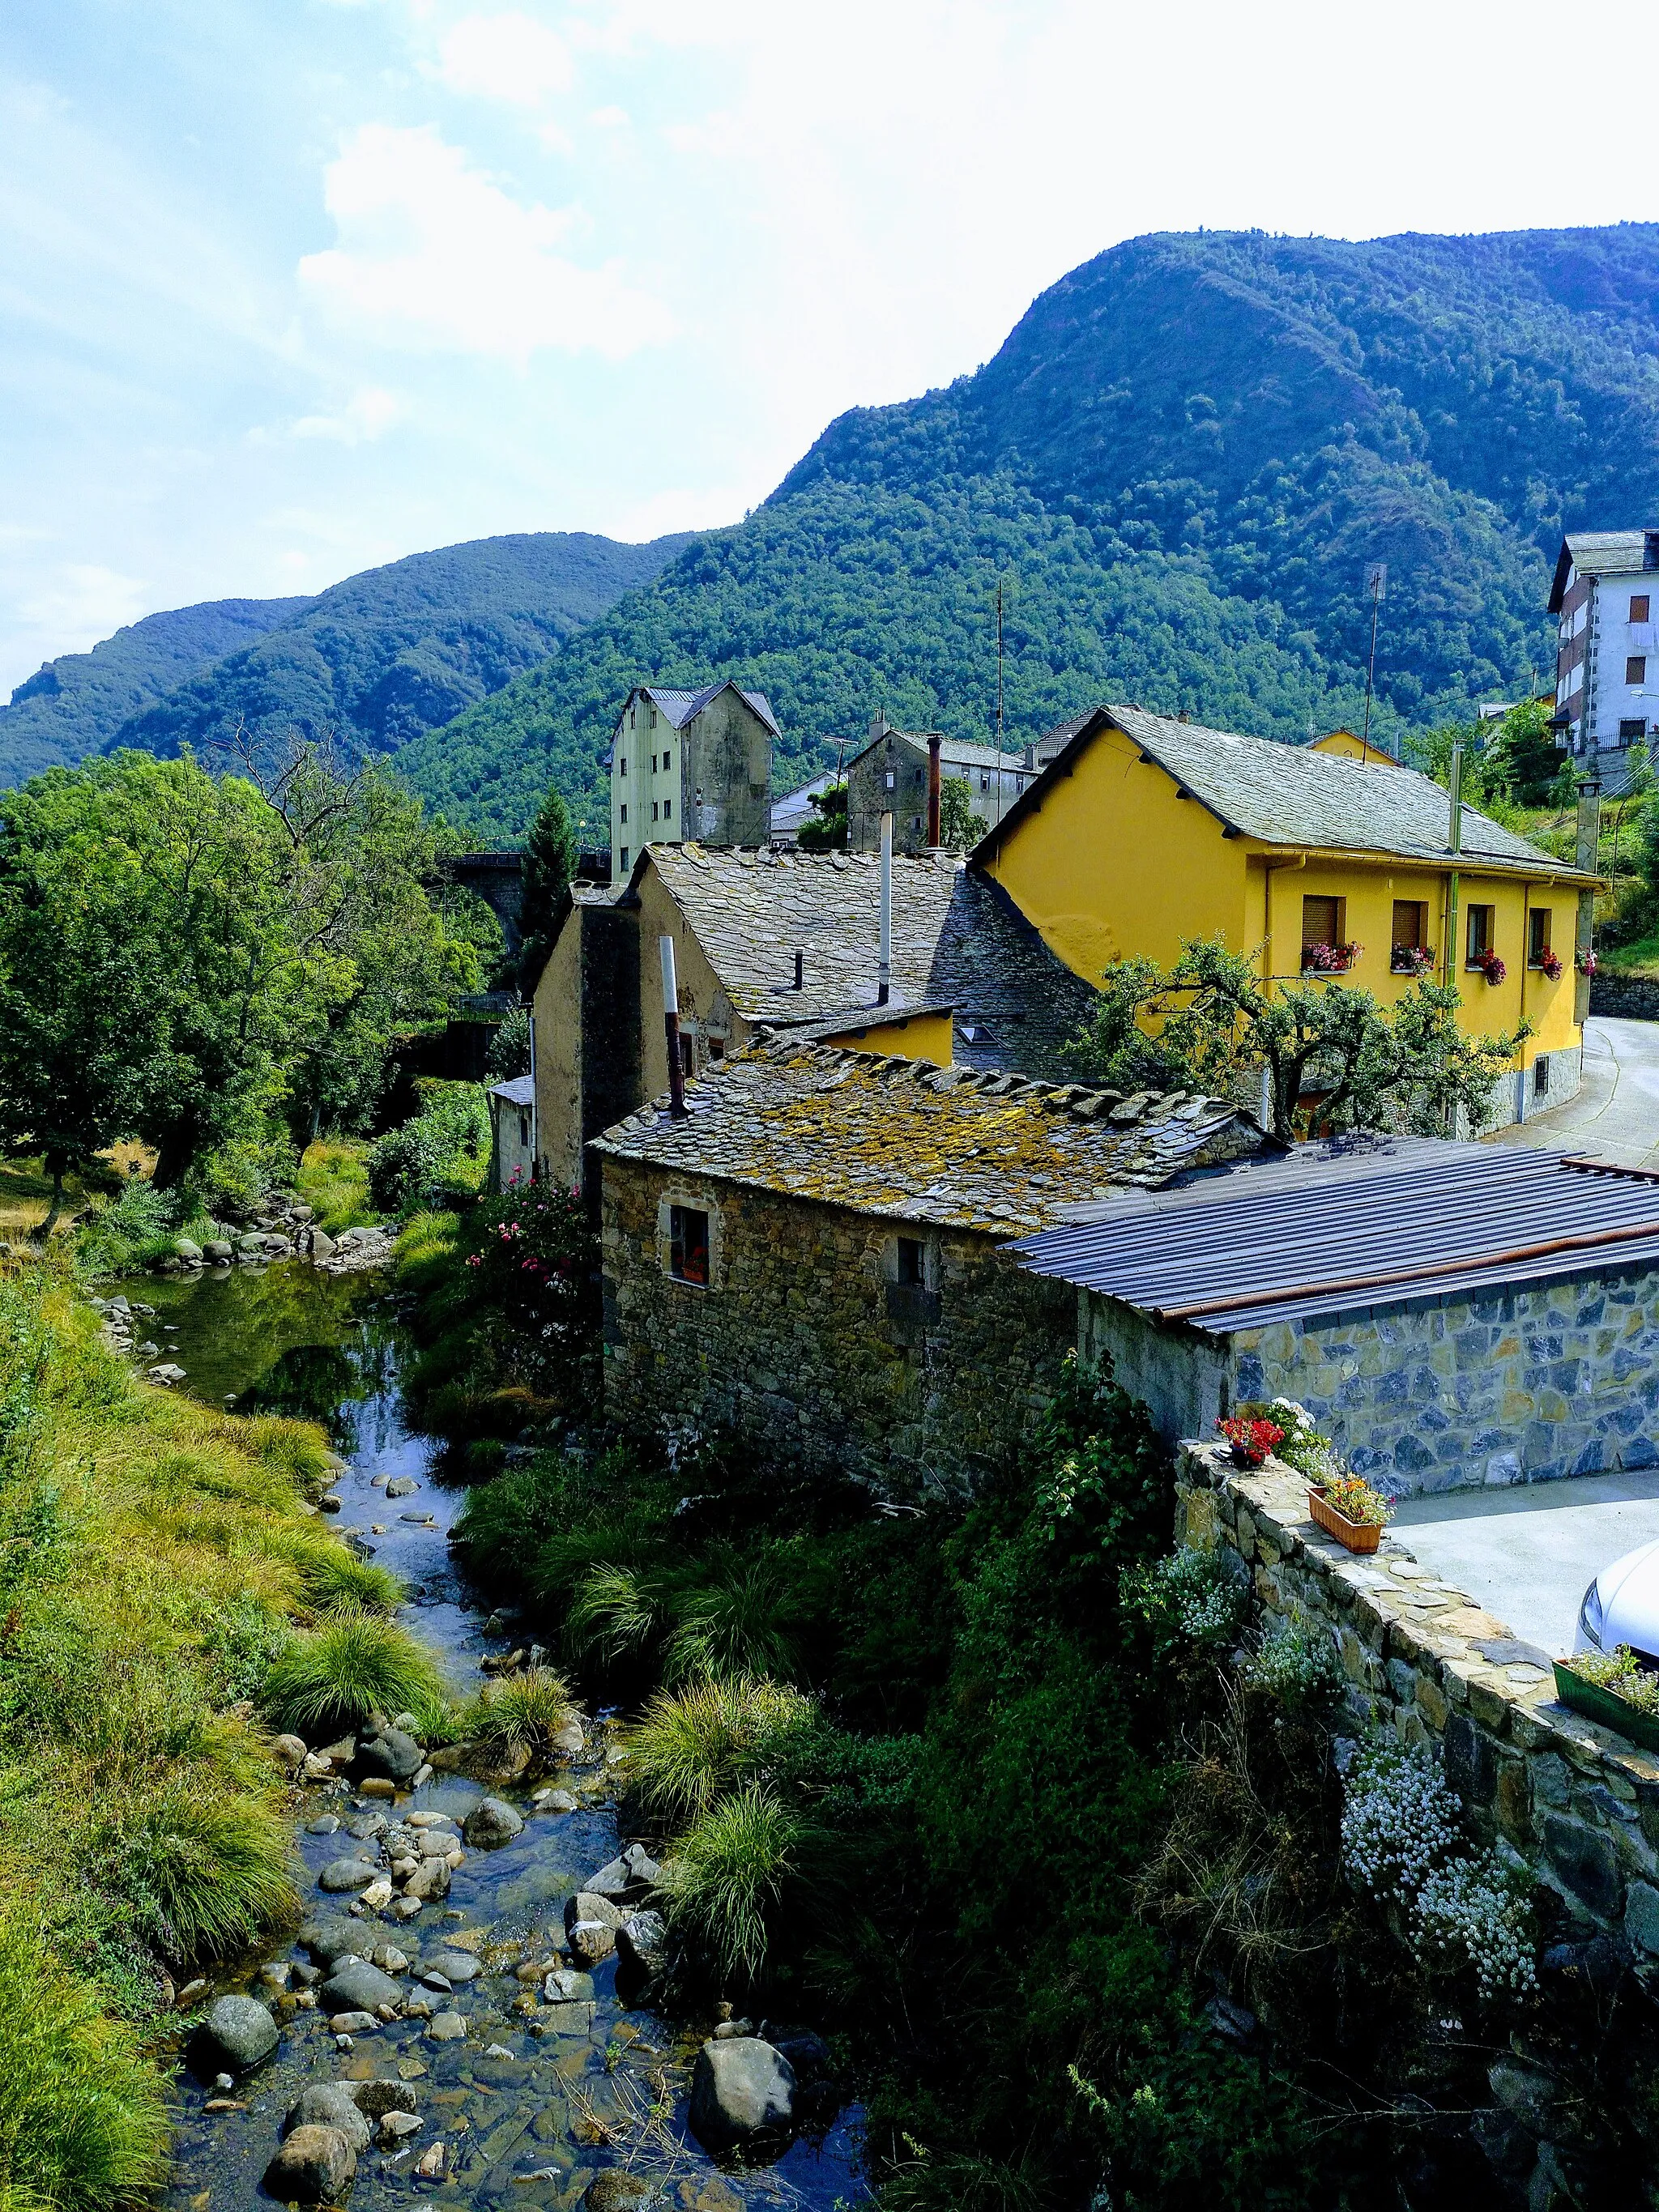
<point x="1376" y="583"/>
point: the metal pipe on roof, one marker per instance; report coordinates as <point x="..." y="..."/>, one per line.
<point x="935" y="791"/>
<point x="885" y="972"/>
<point x="671" y="1022"/>
<point x="1240" y="1300"/>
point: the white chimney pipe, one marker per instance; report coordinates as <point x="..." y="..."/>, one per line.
<point x="671" y="1023"/>
<point x="885" y="972"/>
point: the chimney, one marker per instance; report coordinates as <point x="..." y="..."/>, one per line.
<point x="671" y="1022"/>
<point x="935" y="794"/>
<point x="884" y="973"/>
<point x="1183" y="716"/>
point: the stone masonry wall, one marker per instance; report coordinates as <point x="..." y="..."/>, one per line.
<point x="1579" y="1804"/>
<point x="805" y="1340"/>
<point x="1482" y="1387"/>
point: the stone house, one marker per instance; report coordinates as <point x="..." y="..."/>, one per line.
<point x="511" y="1131"/>
<point x="1450" y="1313"/>
<point x="694" y="764"/>
<point x="1143" y="830"/>
<point x="814" y="1255"/>
<point x="889" y="776"/>
<point x="770" y="940"/>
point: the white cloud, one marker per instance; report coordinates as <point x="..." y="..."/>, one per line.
<point x="689" y="508"/>
<point x="432" y="253"/>
<point x="609" y="118"/>
<point x="511" y="58"/>
<point x="368" y="414"/>
<point x="79" y="603"/>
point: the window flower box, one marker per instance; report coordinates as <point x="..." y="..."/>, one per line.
<point x="1602" y="1702"/>
<point x="1411" y="960"/>
<point x="1551" y="965"/>
<point x="1347" y="1507"/>
<point x="1490" y="966"/>
<point x="1329" y="959"/>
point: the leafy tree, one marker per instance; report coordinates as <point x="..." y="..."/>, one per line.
<point x="549" y="862"/>
<point x="1210" y="1024"/>
<point x="959" y="827"/>
<point x="1523" y="757"/>
<point x="509" y="1052"/>
<point x="827" y="831"/>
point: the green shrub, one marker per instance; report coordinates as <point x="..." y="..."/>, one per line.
<point x="694" y="1744"/>
<point x="727" y="1876"/>
<point x="354" y="1665"/>
<point x="442" y="1148"/>
<point x="206" y="1875"/>
<point x="523" y="1711"/>
<point x="1189" y="1598"/>
<point x="333" y="1181"/>
<point x="234" y="1182"/>
<point x="84" y="2117"/>
<point x="1294" y="1665"/>
<point x="121" y="1237"/>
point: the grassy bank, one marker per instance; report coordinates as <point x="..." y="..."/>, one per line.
<point x="156" y="1562"/>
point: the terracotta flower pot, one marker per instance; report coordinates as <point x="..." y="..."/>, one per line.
<point x="1357" y="1535"/>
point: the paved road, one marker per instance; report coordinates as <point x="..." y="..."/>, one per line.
<point x="1528" y="1554"/>
<point x="1616" y="1113"/>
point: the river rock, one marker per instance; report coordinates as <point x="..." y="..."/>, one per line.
<point x="491" y="1823"/>
<point x="391" y="1753"/>
<point x="740" y="2089"/>
<point x="587" y="1904"/>
<point x="614" y="2191"/>
<point x="237" y="2034"/>
<point x="345" y="2025"/>
<point x="456" y="1967"/>
<point x="219" y="1249"/>
<point x="329" y="2105"/>
<point x="375" y="2098"/>
<point x="330" y="1939"/>
<point x="626" y="1878"/>
<point x="429" y="1879"/>
<point x="341" y="1875"/>
<point x="291" y="1750"/>
<point x="640" y="1941"/>
<point x="568" y="1740"/>
<point x="355" y="1986"/>
<point x="402" y="1485"/>
<point x="447" y="2027"/>
<point x="186" y="1248"/>
<point x="554" y="1801"/>
<point x="312" y="2166"/>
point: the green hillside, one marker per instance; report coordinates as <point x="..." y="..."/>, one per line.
<point x="397" y="650"/>
<point x="72" y="705"/>
<point x="1185" y="453"/>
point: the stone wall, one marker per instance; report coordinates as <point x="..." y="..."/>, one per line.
<point x="1483" y="1386"/>
<point x="1624" y="998"/>
<point x="1580" y="1805"/>
<point x="805" y="1340"/>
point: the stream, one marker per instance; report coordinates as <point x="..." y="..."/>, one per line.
<point x="525" y="2119"/>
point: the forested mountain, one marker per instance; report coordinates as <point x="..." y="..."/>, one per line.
<point x="1184" y="456"/>
<point x="71" y="705"/>
<point x="397" y="650"/>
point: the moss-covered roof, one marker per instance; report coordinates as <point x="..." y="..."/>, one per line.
<point x="960" y="1148"/>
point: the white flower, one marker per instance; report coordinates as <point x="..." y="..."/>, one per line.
<point x="1399" y="1819"/>
<point x="1474" y="1905"/>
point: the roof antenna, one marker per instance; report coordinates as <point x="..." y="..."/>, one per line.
<point x="999" y="742"/>
<point x="1376" y="582"/>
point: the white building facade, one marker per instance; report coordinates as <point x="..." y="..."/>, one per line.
<point x="1605" y="600"/>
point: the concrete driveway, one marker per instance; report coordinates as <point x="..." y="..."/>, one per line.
<point x="1529" y="1554"/>
<point x="1616" y="1113"/>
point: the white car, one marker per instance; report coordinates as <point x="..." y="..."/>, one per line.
<point x="1621" y="1606"/>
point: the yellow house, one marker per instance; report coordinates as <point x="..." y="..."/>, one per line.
<point x="1348" y="744"/>
<point x="1145" y="831"/>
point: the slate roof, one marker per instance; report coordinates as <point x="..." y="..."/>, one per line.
<point x="957" y="938"/>
<point x="965" y="756"/>
<point x="517" y="1091"/>
<point x="1603" y="553"/>
<point x="681" y="706"/>
<point x="1284" y="794"/>
<point x="796" y="806"/>
<point x="1002" y="1154"/>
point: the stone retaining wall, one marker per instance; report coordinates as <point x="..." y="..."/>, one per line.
<point x="1624" y="998"/>
<point x="1578" y="1803"/>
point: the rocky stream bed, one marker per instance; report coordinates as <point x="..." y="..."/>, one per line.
<point x="453" y="2023"/>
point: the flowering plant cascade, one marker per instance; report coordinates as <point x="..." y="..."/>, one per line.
<point x="1352" y="1497"/>
<point x="1551" y="965"/>
<point x="1586" y="962"/>
<point x="1490" y="965"/>
<point x="1329" y="959"/>
<point x="1251" y="1439"/>
<point x="1411" y="960"/>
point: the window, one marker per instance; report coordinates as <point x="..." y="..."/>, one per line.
<point x="667" y="759"/>
<point x="688" y="1245"/>
<point x="1631" y="733"/>
<point x="524" y="1128"/>
<point x="623" y="809"/>
<point x="985" y="783"/>
<point x="654" y="763"/>
<point x="1409" y="938"/>
<point x="687" y="1067"/>
<point x="622" y="858"/>
<point x="1479" y="934"/>
<point x="1540" y="1076"/>
<point x="654" y="718"/>
<point x="1321" y="924"/>
<point x="1638" y="608"/>
<point x="716" y="1048"/>
<point x="668" y="810"/>
<point x="889" y="781"/>
<point x="1636" y="668"/>
<point x="624" y="770"/>
<point x="1538" y="936"/>
<point x="655" y="815"/>
<point x="912" y="1263"/>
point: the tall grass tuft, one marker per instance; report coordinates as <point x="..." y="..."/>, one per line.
<point x="727" y="1875"/>
<point x="354" y="1665"/>
<point x="83" y="2120"/>
<point x="694" y="1744"/>
<point x="524" y="1710"/>
<point x="206" y="1873"/>
<point x="734" y="1623"/>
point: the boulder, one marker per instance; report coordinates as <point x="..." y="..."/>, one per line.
<point x="491" y="1823"/>
<point x="613" y="2190"/>
<point x="640" y="1941"/>
<point x="186" y="1248"/>
<point x="429" y="1879"/>
<point x="345" y="1876"/>
<point x="220" y="1250"/>
<point x="237" y="2034"/>
<point x="391" y="1753"/>
<point x="626" y="1878"/>
<point x="376" y="2099"/>
<point x="568" y="1740"/>
<point x="355" y="1986"/>
<point x="554" y="1801"/>
<point x="319" y="1244"/>
<point x="291" y="1750"/>
<point x="591" y="1940"/>
<point x="740" y="2089"/>
<point x="586" y="1904"/>
<point x="329" y="1939"/>
<point x="312" y="2166"/>
<point x="329" y="2105"/>
<point x="447" y="2027"/>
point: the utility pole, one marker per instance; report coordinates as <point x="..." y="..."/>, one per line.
<point x="1376" y="578"/>
<point x="998" y="733"/>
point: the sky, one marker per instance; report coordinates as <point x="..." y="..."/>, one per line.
<point x="290" y="290"/>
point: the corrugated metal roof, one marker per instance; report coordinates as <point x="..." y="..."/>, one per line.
<point x="681" y="706"/>
<point x="1285" y="1246"/>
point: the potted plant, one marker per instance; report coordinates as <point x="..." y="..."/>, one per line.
<point x="1586" y="962"/>
<point x="1329" y="959"/>
<point x="1411" y="960"/>
<point x="1614" y="1688"/>
<point x="1551" y="965"/>
<point x="1490" y="965"/>
<point x="1346" y="1507"/>
<point x="1251" y="1438"/>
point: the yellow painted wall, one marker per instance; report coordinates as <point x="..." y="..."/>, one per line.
<point x="913" y="1036"/>
<point x="1114" y="864"/>
<point x="1347" y="746"/>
